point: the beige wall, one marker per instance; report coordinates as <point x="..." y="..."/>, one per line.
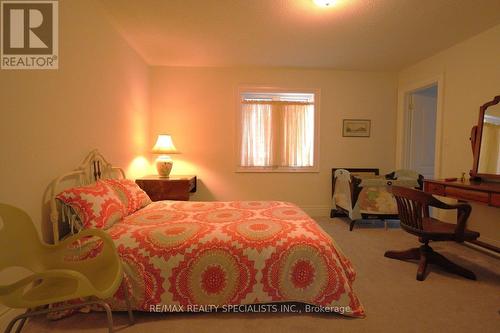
<point x="50" y="119"/>
<point x="471" y="73"/>
<point x="198" y="107"/>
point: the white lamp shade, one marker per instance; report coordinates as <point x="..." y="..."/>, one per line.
<point x="164" y="145"/>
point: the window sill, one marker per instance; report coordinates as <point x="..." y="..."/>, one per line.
<point x="276" y="170"/>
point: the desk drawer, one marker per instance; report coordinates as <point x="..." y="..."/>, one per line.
<point x="459" y="193"/>
<point x="495" y="200"/>
<point x="434" y="188"/>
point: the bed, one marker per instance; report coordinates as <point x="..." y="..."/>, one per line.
<point x="181" y="255"/>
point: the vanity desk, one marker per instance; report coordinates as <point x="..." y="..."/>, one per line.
<point x="487" y="193"/>
<point x="484" y="184"/>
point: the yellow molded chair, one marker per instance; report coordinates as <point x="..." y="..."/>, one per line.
<point x="55" y="278"/>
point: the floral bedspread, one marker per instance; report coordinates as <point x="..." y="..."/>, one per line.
<point x="190" y="254"/>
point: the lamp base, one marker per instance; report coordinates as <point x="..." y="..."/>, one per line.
<point x="164" y="166"/>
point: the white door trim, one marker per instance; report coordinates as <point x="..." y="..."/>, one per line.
<point x="403" y="90"/>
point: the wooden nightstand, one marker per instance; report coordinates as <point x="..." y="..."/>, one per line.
<point x="171" y="188"/>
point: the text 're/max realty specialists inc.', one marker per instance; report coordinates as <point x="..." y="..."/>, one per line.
<point x="250" y="308"/>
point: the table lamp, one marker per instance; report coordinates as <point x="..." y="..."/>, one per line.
<point x="164" y="146"/>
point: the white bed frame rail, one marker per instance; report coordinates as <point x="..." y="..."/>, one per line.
<point x="93" y="168"/>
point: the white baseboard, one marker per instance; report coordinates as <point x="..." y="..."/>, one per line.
<point x="316" y="210"/>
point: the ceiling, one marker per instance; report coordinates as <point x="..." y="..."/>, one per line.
<point x="351" y="34"/>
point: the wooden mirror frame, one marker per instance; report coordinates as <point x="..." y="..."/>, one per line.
<point x="475" y="137"/>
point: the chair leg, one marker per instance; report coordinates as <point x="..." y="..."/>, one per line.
<point x="426" y="255"/>
<point x="23" y="317"/>
<point x="11" y="324"/>
<point x="21" y="325"/>
<point x="22" y="322"/>
<point x="451" y="267"/>
<point x="411" y="254"/>
<point x="29" y="314"/>
<point x="422" y="264"/>
<point x="109" y="314"/>
<point x="129" y="306"/>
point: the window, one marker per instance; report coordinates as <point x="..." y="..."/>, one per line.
<point x="277" y="131"/>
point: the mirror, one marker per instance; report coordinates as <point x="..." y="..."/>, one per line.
<point x="489" y="152"/>
<point x="487" y="141"/>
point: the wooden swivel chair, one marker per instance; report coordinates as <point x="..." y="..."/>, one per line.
<point x="413" y="208"/>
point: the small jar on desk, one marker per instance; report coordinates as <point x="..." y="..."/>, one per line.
<point x="171" y="188"/>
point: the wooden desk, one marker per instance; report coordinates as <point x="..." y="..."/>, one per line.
<point x="486" y="193"/>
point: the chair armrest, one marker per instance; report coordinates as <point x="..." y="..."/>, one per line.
<point x="107" y="240"/>
<point x="85" y="233"/>
<point x="108" y="252"/>
<point x="435" y="202"/>
<point x="13" y="293"/>
<point x="463" y="213"/>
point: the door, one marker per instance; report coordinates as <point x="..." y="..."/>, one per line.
<point x="421" y="130"/>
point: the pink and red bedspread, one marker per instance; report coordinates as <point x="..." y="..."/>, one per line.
<point x="230" y="253"/>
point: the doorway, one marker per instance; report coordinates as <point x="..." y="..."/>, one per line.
<point x="419" y="151"/>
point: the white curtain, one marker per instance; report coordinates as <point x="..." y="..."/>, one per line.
<point x="297" y="144"/>
<point x="257" y="137"/>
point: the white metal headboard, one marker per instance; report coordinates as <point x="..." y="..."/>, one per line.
<point x="93" y="168"/>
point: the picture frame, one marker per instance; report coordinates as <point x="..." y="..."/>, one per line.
<point x="360" y="128"/>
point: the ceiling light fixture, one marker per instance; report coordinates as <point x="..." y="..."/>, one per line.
<point x="324" y="3"/>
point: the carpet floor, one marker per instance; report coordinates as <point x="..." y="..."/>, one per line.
<point x="394" y="301"/>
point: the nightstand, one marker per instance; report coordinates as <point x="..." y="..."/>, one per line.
<point x="171" y="188"/>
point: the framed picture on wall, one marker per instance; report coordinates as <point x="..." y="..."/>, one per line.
<point x="356" y="127"/>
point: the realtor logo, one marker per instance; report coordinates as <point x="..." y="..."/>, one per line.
<point x="29" y="34"/>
